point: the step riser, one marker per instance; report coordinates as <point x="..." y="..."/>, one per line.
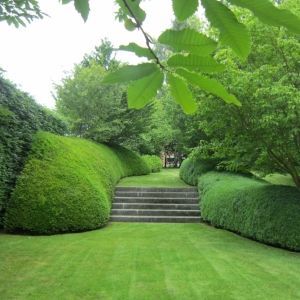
<point x="159" y="205"/>
<point x="156" y="200"/>
<point x="154" y="219"/>
<point x="157" y="194"/>
<point x="144" y="189"/>
<point x="151" y="212"/>
<point x="154" y="206"/>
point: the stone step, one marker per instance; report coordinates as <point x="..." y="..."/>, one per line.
<point x="154" y="212"/>
<point x="117" y="205"/>
<point x="119" y="199"/>
<point x="155" y="189"/>
<point x="157" y="194"/>
<point x="156" y="219"/>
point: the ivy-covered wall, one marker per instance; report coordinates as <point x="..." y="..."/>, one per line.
<point x="20" y="118"/>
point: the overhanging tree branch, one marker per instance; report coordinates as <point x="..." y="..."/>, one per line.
<point x="145" y="34"/>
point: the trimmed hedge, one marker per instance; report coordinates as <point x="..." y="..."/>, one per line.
<point x="154" y="162"/>
<point x="67" y="185"/>
<point x="20" y="118"/>
<point x="191" y="169"/>
<point x="252" y="208"/>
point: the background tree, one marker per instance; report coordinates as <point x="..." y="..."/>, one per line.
<point x="264" y="133"/>
<point x="99" y="112"/>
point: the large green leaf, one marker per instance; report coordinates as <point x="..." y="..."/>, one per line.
<point x="181" y="93"/>
<point x="134" y="8"/>
<point x="130" y="73"/>
<point x="209" y="85"/>
<point x="142" y="91"/>
<point x="138" y="50"/>
<point x="270" y="14"/>
<point x="194" y="62"/>
<point x="184" y="8"/>
<point x="232" y="33"/>
<point x="188" y="40"/>
<point x="83" y="7"/>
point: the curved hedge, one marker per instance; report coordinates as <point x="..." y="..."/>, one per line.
<point x="67" y="185"/>
<point x="191" y="169"/>
<point x="20" y="118"/>
<point x="154" y="162"/>
<point x="252" y="208"/>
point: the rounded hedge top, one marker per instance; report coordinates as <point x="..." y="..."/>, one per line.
<point x="67" y="185"/>
<point x="254" y="208"/>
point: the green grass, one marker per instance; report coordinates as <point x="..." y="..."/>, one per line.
<point x="280" y="179"/>
<point x="146" y="261"/>
<point x="165" y="178"/>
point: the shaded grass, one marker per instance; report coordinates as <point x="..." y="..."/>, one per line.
<point x="146" y="261"/>
<point x="165" y="178"/>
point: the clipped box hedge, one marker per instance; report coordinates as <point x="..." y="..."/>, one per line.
<point x="67" y="185"/>
<point x="154" y="162"/>
<point x="191" y="169"/>
<point x="246" y="205"/>
<point x="253" y="208"/>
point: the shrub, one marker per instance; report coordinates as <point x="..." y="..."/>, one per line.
<point x="153" y="162"/>
<point x="191" y="169"/>
<point x="252" y="208"/>
<point x="20" y="118"/>
<point x="67" y="185"/>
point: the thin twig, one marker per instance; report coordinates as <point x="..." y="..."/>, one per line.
<point x="146" y="35"/>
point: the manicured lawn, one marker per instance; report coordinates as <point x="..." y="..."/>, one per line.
<point x="280" y="179"/>
<point x="146" y="261"/>
<point x="165" y="178"/>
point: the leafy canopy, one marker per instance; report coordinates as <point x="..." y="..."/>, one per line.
<point x="191" y="49"/>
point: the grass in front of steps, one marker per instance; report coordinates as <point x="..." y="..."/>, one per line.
<point x="146" y="261"/>
<point x="165" y="178"/>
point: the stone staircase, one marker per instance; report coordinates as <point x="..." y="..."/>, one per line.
<point x="165" y="205"/>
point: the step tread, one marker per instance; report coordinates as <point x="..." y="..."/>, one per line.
<point x="139" y="197"/>
<point x="157" y="217"/>
<point x="154" y="219"/>
<point x="155" y="189"/>
<point x="169" y="210"/>
<point x="166" y="205"/>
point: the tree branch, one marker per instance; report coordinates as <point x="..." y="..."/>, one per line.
<point x="146" y="35"/>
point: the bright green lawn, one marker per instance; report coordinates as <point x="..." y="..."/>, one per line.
<point x="165" y="178"/>
<point x="146" y="261"/>
<point x="280" y="179"/>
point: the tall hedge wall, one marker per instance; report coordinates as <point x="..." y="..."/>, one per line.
<point x="20" y="118"/>
<point x="67" y="185"/>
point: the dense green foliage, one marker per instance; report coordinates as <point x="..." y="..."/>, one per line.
<point x="153" y="161"/>
<point x="253" y="208"/>
<point x="67" y="185"/>
<point x="192" y="51"/>
<point x="263" y="134"/>
<point x="191" y="169"/>
<point x="20" y="117"/>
